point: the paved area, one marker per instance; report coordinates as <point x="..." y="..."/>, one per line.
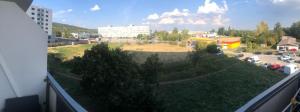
<point x="273" y="59"/>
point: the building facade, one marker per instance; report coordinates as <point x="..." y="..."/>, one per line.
<point x="287" y="43"/>
<point x="41" y="16"/>
<point x="123" y="31"/>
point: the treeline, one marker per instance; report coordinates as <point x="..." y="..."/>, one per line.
<point x="175" y="35"/>
<point x="65" y="30"/>
<point x="263" y="35"/>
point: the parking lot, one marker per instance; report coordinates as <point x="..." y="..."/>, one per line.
<point x="272" y="59"/>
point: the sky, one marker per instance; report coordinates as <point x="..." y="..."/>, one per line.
<point x="195" y="15"/>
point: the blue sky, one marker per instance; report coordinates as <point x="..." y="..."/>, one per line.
<point x="196" y="15"/>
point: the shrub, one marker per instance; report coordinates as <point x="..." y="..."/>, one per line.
<point x="212" y="48"/>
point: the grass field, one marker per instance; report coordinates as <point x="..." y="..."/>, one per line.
<point x="69" y="51"/>
<point x="218" y="92"/>
<point x="217" y="84"/>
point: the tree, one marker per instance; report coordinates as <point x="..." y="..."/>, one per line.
<point x="262" y="33"/>
<point x="294" y="30"/>
<point x="221" y="31"/>
<point x="278" y="32"/>
<point x="262" y="28"/>
<point x="175" y="31"/>
<point x="185" y="34"/>
<point x="212" y="48"/>
<point x="116" y="82"/>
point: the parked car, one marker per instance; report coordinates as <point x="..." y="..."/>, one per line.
<point x="290" y="69"/>
<point x="240" y="55"/>
<point x="291" y="60"/>
<point x="266" y="65"/>
<point x="220" y="53"/>
<point x="275" y="67"/>
<point x="254" y="60"/>
<point x="285" y="57"/>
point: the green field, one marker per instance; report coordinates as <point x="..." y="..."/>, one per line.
<point x="217" y="84"/>
<point x="68" y="52"/>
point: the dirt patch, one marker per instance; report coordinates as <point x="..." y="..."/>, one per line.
<point x="155" y="48"/>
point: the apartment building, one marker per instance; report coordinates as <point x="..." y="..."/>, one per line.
<point x="43" y="17"/>
<point x="130" y="31"/>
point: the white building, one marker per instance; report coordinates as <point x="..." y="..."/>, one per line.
<point x="287" y="43"/>
<point x="130" y="31"/>
<point x="42" y="16"/>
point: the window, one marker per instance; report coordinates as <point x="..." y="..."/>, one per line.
<point x="42" y="19"/>
<point x="32" y="13"/>
<point x="46" y="31"/>
<point x="38" y="23"/>
<point x="38" y="14"/>
<point x="46" y="24"/>
<point x="46" y="11"/>
<point x="46" y="28"/>
<point x="47" y="16"/>
<point x="38" y="9"/>
<point x="42" y="14"/>
<point x="33" y="18"/>
<point x="38" y="18"/>
<point x="32" y="8"/>
<point x="42" y="23"/>
<point x="46" y="19"/>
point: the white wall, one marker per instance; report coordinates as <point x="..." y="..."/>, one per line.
<point x="23" y="54"/>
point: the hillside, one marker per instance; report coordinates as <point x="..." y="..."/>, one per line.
<point x="71" y="28"/>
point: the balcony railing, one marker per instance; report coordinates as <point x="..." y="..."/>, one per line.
<point x="275" y="99"/>
<point x="58" y="100"/>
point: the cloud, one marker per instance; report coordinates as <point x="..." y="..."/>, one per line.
<point x="209" y="13"/>
<point x="153" y="16"/>
<point x="61" y="15"/>
<point x="176" y="13"/>
<point x="62" y="12"/>
<point x="218" y="20"/>
<point x="95" y="8"/>
<point x="289" y="4"/>
<point x="212" y="7"/>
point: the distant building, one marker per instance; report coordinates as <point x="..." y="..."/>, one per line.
<point x="43" y="17"/>
<point x="205" y="34"/>
<point x="123" y="31"/>
<point x="75" y="35"/>
<point x="84" y="35"/>
<point x="229" y="43"/>
<point x="287" y="43"/>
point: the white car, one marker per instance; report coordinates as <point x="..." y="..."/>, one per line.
<point x="254" y="60"/>
<point x="285" y="57"/>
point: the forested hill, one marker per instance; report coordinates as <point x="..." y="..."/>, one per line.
<point x="71" y="28"/>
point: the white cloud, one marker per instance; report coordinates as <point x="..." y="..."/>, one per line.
<point x="218" y="20"/>
<point x="61" y="15"/>
<point x="287" y="3"/>
<point x="62" y="12"/>
<point x="95" y="8"/>
<point x="176" y="13"/>
<point x="197" y="21"/>
<point x="168" y="20"/>
<point x="212" y="7"/>
<point x="209" y="13"/>
<point x="69" y="10"/>
<point x="154" y="16"/>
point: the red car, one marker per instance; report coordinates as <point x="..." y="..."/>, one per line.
<point x="275" y="67"/>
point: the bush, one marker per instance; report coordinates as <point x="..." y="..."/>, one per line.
<point x="212" y="48"/>
<point x="115" y="81"/>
